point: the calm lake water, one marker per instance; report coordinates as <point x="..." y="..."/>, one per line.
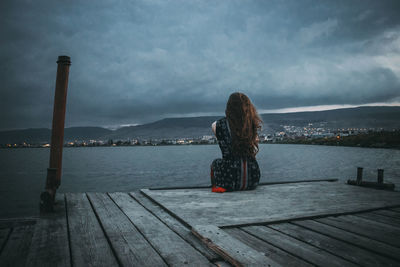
<point x="108" y="169"/>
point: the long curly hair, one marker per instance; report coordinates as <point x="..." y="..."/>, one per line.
<point x="244" y="123"/>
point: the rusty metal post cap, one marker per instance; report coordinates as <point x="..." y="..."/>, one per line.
<point x="64" y="60"/>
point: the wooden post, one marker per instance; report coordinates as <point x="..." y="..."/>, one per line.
<point x="53" y="180"/>
<point x="359" y="175"/>
<point x="379" y="185"/>
<point x="380" y="176"/>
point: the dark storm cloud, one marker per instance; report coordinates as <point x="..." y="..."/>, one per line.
<point x="137" y="61"/>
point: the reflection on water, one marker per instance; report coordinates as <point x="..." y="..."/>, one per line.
<point x="108" y="169"/>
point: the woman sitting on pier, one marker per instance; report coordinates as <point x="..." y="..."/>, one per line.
<point x="237" y="136"/>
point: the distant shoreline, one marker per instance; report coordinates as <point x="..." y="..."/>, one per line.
<point x="384" y="139"/>
<point x="381" y="139"/>
<point x="263" y="143"/>
<point x="315" y="144"/>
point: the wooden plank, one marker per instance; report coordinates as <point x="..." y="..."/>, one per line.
<point x="339" y="248"/>
<point x="130" y="247"/>
<point x="379" y="218"/>
<point x="349" y="237"/>
<point x="176" y="226"/>
<point x="300" y="181"/>
<point x="174" y="249"/>
<point x="233" y="209"/>
<point x="278" y="255"/>
<point x="263" y="183"/>
<point x="296" y="247"/>
<point x="4" y="234"/>
<point x="16" y="249"/>
<point x="222" y="264"/>
<point x="374" y="230"/>
<point x="395" y="209"/>
<point x="14" y="222"/>
<point x="89" y="245"/>
<point x="231" y="249"/>
<point x="50" y="245"/>
<point x="388" y="213"/>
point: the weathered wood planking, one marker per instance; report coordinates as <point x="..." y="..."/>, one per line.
<point x="14" y="222"/>
<point x="246" y="207"/>
<point x="395" y="209"/>
<point x="4" y="233"/>
<point x="231" y="249"/>
<point x="121" y="229"/>
<point x="222" y="264"/>
<point x="174" y="250"/>
<point x="176" y="226"/>
<point x="375" y="230"/>
<point x="276" y="254"/>
<point x="16" y="249"/>
<point x="390" y="232"/>
<point x="50" y="246"/>
<point x="379" y="218"/>
<point x="349" y="237"/>
<point x="130" y="247"/>
<point x="339" y="248"/>
<point x="388" y="213"/>
<point x="89" y="246"/>
<point x="296" y="247"/>
<point x="263" y="183"/>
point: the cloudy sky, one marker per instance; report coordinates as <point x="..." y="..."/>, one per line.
<point x="139" y="61"/>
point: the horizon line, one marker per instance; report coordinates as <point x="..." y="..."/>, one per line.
<point x="260" y="111"/>
<point x="325" y="107"/>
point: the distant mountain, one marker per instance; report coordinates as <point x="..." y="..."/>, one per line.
<point x="85" y="133"/>
<point x="33" y="136"/>
<point x="168" y="128"/>
<point x="30" y="136"/>
<point x="361" y="117"/>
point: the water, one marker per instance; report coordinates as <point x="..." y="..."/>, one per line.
<point x="108" y="169"/>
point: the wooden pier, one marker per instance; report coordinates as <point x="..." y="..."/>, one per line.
<point x="290" y="224"/>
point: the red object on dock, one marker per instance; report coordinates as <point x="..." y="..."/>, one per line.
<point x="217" y="189"/>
